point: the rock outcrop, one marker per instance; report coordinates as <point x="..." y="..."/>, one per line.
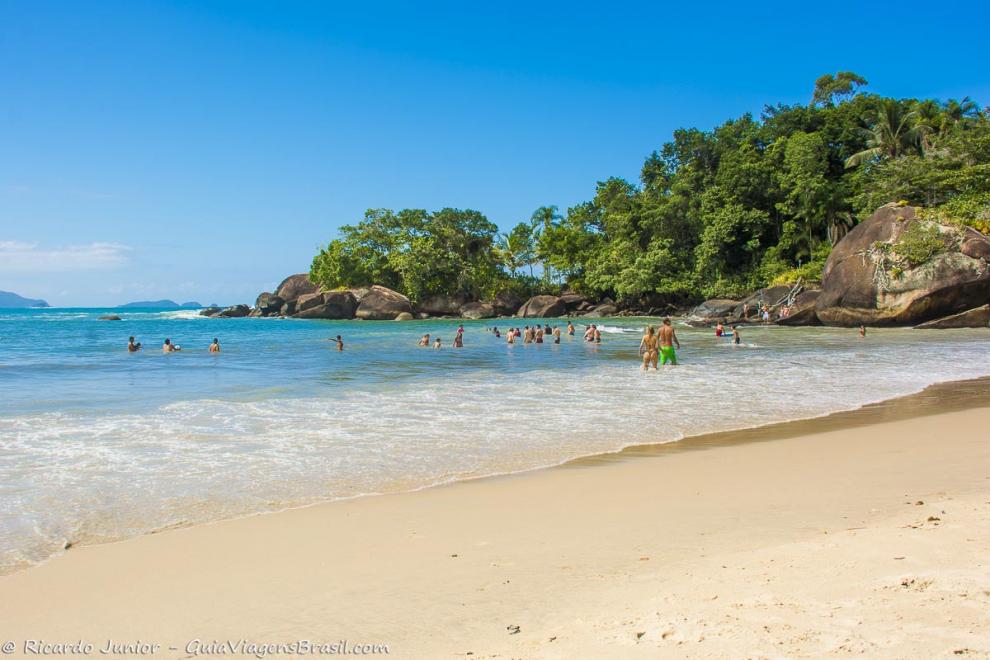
<point x="234" y="311"/>
<point x="606" y="309"/>
<point x="209" y="311"/>
<point x="540" y="307"/>
<point x="478" y="310"/>
<point x="866" y="281"/>
<point x="110" y="317"/>
<point x="295" y="286"/>
<point x="381" y="304"/>
<point x="710" y="312"/>
<point x="326" y="305"/>
<point x="971" y="318"/>
<point x="268" y="304"/>
<point x="506" y="303"/>
<point x="803" y="310"/>
<point x="441" y="305"/>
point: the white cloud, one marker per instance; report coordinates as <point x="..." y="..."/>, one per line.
<point x="21" y="257"/>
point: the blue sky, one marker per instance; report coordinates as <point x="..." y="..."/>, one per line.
<point x="204" y="150"/>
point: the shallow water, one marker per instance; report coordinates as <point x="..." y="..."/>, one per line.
<point x="98" y="444"/>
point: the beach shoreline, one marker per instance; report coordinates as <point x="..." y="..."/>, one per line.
<point x="582" y="557"/>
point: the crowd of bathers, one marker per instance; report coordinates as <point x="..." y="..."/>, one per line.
<point x="536" y="334"/>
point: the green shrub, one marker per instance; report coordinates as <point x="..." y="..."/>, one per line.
<point x="919" y="243"/>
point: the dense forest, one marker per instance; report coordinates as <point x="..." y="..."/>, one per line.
<point x="715" y="213"/>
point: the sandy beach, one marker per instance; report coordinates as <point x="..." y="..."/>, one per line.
<point x="863" y="534"/>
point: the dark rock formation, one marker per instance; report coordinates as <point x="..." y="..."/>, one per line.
<point x="381" y="304"/>
<point x="109" y="317"/>
<point x="478" y="310"/>
<point x="269" y="304"/>
<point x="803" y="310"/>
<point x="971" y="318"/>
<point x="326" y="305"/>
<point x="713" y="311"/>
<point x="210" y="311"/>
<point x="606" y="309"/>
<point x="864" y="282"/>
<point x="541" y="307"/>
<point x="441" y="305"/>
<point x="294" y="286"/>
<point x="506" y="303"/>
<point x="234" y="311"/>
<point x="573" y="301"/>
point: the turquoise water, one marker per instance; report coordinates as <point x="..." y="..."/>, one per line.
<point x="98" y="444"/>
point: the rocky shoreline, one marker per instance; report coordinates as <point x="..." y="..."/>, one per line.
<point x="871" y="278"/>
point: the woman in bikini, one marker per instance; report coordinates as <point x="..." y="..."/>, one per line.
<point x="648" y="348"/>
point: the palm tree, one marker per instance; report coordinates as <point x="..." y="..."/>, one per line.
<point x="896" y="130"/>
<point x="543" y="219"/>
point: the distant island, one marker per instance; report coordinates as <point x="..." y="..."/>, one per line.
<point x="8" y="299"/>
<point x="166" y="304"/>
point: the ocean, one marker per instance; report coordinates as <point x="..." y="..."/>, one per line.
<point x="97" y="444"/>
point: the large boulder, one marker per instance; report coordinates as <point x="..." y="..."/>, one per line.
<point x="234" y="311"/>
<point x="327" y="305"/>
<point x="608" y="309"/>
<point x="541" y="307"/>
<point x="506" y="303"/>
<point x="971" y="318"/>
<point x="294" y="286"/>
<point x="478" y="310"/>
<point x="441" y="305"/>
<point x="572" y="301"/>
<point x="865" y="281"/>
<point x="268" y="304"/>
<point x="713" y="311"/>
<point x="210" y="311"/>
<point x="803" y="310"/>
<point x="769" y="296"/>
<point x="381" y="304"/>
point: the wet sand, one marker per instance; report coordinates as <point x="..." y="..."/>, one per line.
<point x="862" y="534"/>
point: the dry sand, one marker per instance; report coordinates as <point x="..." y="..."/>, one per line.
<point x="863" y="534"/>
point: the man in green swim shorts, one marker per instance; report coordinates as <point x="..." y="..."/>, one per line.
<point x="667" y="340"/>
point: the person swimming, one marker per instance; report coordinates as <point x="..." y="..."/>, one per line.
<point x="667" y="340"/>
<point x="648" y="348"/>
<point x="215" y="346"/>
<point x="169" y="347"/>
<point x="437" y="344"/>
<point x="340" y="343"/>
<point x="425" y="341"/>
<point x="133" y="347"/>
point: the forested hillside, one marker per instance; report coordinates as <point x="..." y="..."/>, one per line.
<point x="715" y="213"/>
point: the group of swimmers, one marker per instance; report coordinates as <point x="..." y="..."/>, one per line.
<point x="168" y="346"/>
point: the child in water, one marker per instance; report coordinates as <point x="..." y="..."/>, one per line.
<point x="437" y="344"/>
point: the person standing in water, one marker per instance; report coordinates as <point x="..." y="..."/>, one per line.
<point x="169" y="347"/>
<point x="736" y="338"/>
<point x="215" y="346"/>
<point x="131" y="346"/>
<point x="598" y="335"/>
<point x="459" y="340"/>
<point x="340" y="343"/>
<point x="437" y="343"/>
<point x="425" y="341"/>
<point x="570" y="328"/>
<point x="556" y="335"/>
<point x="862" y="332"/>
<point x="539" y="335"/>
<point x="649" y="349"/>
<point x="668" y="338"/>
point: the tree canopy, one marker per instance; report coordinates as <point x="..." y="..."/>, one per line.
<point x="715" y="213"/>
